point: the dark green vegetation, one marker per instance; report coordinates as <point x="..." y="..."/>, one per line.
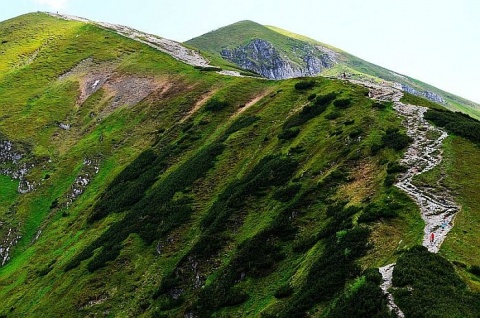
<point x="201" y="204"/>
<point x="461" y="154"/>
<point x="456" y="123"/>
<point x="415" y="100"/>
<point x="429" y="287"/>
<point x="362" y="299"/>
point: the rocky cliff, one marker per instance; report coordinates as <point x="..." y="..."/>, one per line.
<point x="262" y="57"/>
<point x="426" y="94"/>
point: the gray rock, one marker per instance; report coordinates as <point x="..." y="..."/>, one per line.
<point x="434" y="97"/>
<point x="263" y="58"/>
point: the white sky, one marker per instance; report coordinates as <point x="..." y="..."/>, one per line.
<point x="435" y="41"/>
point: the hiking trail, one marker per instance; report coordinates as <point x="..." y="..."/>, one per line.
<point x="437" y="208"/>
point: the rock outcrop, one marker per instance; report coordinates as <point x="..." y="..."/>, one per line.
<point x="11" y="165"/>
<point x="263" y="58"/>
<point x="7" y="241"/>
<point x="426" y="94"/>
<point x="89" y="169"/>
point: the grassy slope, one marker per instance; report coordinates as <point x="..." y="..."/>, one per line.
<point x="455" y="173"/>
<point x="241" y="32"/>
<point x="333" y="167"/>
<point x="234" y="35"/>
<point x="364" y="68"/>
<point x="462" y="243"/>
<point x="8" y="193"/>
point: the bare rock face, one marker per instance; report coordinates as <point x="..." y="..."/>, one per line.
<point x="263" y="58"/>
<point x="426" y="94"/>
<point x="11" y="165"/>
<point x="7" y="241"/>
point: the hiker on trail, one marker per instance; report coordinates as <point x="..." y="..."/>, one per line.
<point x="432" y="238"/>
<point x="444" y="224"/>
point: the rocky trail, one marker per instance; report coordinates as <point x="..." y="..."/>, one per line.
<point x="437" y="208"/>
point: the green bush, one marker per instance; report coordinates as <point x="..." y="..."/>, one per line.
<point x="456" y="123"/>
<point x="380" y="105"/>
<point x="390" y="180"/>
<point x="396" y="167"/>
<point x="329" y="273"/>
<point x="428" y="286"/>
<point x="216" y="105"/>
<point x="130" y="185"/>
<point x="168" y="302"/>
<point x="381" y="210"/>
<point x="287" y="193"/>
<point x="289" y="133"/>
<point x="355" y="133"/>
<point x="305" y="84"/>
<point x="324" y="100"/>
<point x="240" y="123"/>
<point x="283" y="291"/>
<point x="315" y="108"/>
<point x="270" y="171"/>
<point x="333" y="115"/>
<point x="393" y="138"/>
<point x="256" y="257"/>
<point x="208" y="68"/>
<point x="475" y="270"/>
<point x="168" y="283"/>
<point x="342" y="103"/>
<point x="367" y="301"/>
<point x="373" y="275"/>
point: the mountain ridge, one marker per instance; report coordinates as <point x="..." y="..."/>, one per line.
<point x="159" y="189"/>
<point x="238" y="36"/>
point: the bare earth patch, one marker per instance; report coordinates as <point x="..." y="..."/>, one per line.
<point x="203" y="99"/>
<point x="121" y="89"/>
<point x="362" y="185"/>
<point x="255" y="100"/>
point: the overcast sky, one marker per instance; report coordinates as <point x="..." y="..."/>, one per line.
<point x="435" y="41"/>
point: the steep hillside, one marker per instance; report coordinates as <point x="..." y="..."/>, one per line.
<point x="276" y="53"/>
<point x="256" y="48"/>
<point x="135" y="185"/>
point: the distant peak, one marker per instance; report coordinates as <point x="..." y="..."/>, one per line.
<point x="246" y="22"/>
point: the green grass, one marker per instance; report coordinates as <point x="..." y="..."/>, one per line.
<point x="408" y="98"/>
<point x="234" y="35"/>
<point x="216" y="190"/>
<point x="462" y="243"/>
<point x="8" y="193"/>
<point x="456" y="173"/>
